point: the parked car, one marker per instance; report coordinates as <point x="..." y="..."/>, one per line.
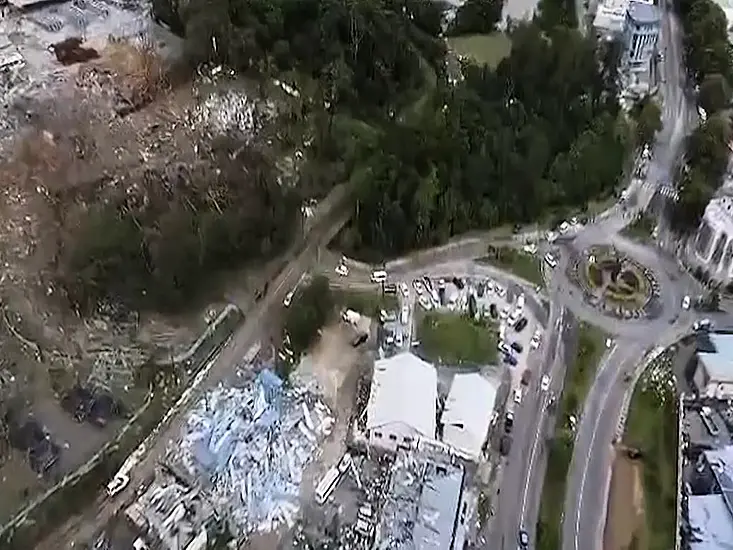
<point x="508" y="422"/>
<point x="390" y="288"/>
<point x="516" y="346"/>
<point x="493" y="311"/>
<point x="405" y="291"/>
<point x="342" y="270"/>
<point x="518" y="396"/>
<point x="418" y="286"/>
<point x="459" y="283"/>
<point x="288" y="298"/>
<point x="505" y="445"/>
<point x="534" y="343"/>
<point x="545" y="384"/>
<point x="703" y="325"/>
<point x="526" y="377"/>
<point x="521" y="324"/>
<point x="686" y="303"/>
<point x="510" y="360"/>
<point x="425" y="303"/>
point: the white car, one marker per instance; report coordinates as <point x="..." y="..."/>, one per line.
<point x="534" y="343"/>
<point x="405" y="315"/>
<point x="419" y="287"/>
<point x="545" y="383"/>
<point x="489" y="285"/>
<point x="702" y="325"/>
<point x="342" y="270"/>
<point x="518" y="396"/>
<point x="425" y="303"/>
<point x="405" y="291"/>
<point x="288" y="298"/>
<point x="504" y="313"/>
<point x="500" y="291"/>
<point x="398" y="339"/>
<point x="686" y="302"/>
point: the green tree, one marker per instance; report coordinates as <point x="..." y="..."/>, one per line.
<point x="309" y="311"/>
<point x="477" y="17"/>
<point x="648" y="117"/>
<point x="714" y="93"/>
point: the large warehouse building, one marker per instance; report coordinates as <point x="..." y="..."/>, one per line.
<point x="402" y="403"/>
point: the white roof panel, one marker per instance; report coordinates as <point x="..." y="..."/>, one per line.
<point x="468" y="412"/>
<point x="710" y="523"/>
<point x="404" y="390"/>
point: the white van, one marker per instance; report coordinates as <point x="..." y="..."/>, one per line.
<point x="550" y="260"/>
<point x="379" y="276"/>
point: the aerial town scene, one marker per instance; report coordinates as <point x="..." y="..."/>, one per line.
<point x="366" y="274"/>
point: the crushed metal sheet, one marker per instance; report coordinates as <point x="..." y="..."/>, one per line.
<point x="422" y="503"/>
<point x="247" y="448"/>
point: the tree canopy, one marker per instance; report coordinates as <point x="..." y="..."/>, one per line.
<point x="541" y="133"/>
<point x="710" y="66"/>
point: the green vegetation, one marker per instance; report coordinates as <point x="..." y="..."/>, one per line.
<point x="366" y="302"/>
<point x="578" y="378"/>
<point x="651" y="428"/>
<point x="454" y="339"/>
<point x="515" y="261"/>
<point x="309" y="311"/>
<point x="648" y="118"/>
<point x="708" y="59"/>
<point x="484" y="49"/>
<point x="641" y="228"/>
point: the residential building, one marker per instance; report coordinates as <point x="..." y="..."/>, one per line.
<point x="641" y="34"/>
<point x="636" y="23"/>
<point x="467" y="415"/>
<point x="712" y="246"/>
<point x="423" y="508"/>
<point x="714" y="372"/>
<point x="402" y="405"/>
<point x="709" y="524"/>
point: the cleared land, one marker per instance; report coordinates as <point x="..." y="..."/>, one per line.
<point x="486" y="49"/>
<point x="365" y="302"/>
<point x="578" y="379"/>
<point x="626" y="509"/>
<point x="455" y="339"/>
<point x="652" y="429"/>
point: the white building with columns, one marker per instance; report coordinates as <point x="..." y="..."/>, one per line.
<point x="712" y="246"/>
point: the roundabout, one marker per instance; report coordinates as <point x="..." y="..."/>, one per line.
<point x="615" y="283"/>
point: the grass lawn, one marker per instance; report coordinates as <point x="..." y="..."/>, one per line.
<point x="365" y="302"/>
<point x="578" y="379"/>
<point x="517" y="262"/>
<point x="486" y="49"/>
<point x="455" y="339"/>
<point x="651" y="427"/>
<point x="640" y="229"/>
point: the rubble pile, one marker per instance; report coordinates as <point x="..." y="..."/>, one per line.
<point x="247" y="447"/>
<point x="229" y="113"/>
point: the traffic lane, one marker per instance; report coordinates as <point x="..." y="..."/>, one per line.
<point x="588" y="467"/>
<point x="522" y="460"/>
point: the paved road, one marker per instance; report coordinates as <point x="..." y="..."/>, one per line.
<point x="523" y="470"/>
<point x="589" y="476"/>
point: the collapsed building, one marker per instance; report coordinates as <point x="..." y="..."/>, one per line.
<point x="243" y="451"/>
<point x="424" y="506"/>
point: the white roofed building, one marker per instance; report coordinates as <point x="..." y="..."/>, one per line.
<point x="467" y="414"/>
<point x="402" y="405"/>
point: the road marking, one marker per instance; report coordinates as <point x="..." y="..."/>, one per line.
<point x="590" y="447"/>
<point x="539" y="427"/>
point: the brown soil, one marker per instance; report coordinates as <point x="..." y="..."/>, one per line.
<point x="625" y="522"/>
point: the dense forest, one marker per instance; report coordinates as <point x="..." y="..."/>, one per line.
<point x="433" y="146"/>
<point x="541" y="133"/>
<point x="709" y="62"/>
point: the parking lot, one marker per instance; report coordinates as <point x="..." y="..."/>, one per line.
<point x="484" y="297"/>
